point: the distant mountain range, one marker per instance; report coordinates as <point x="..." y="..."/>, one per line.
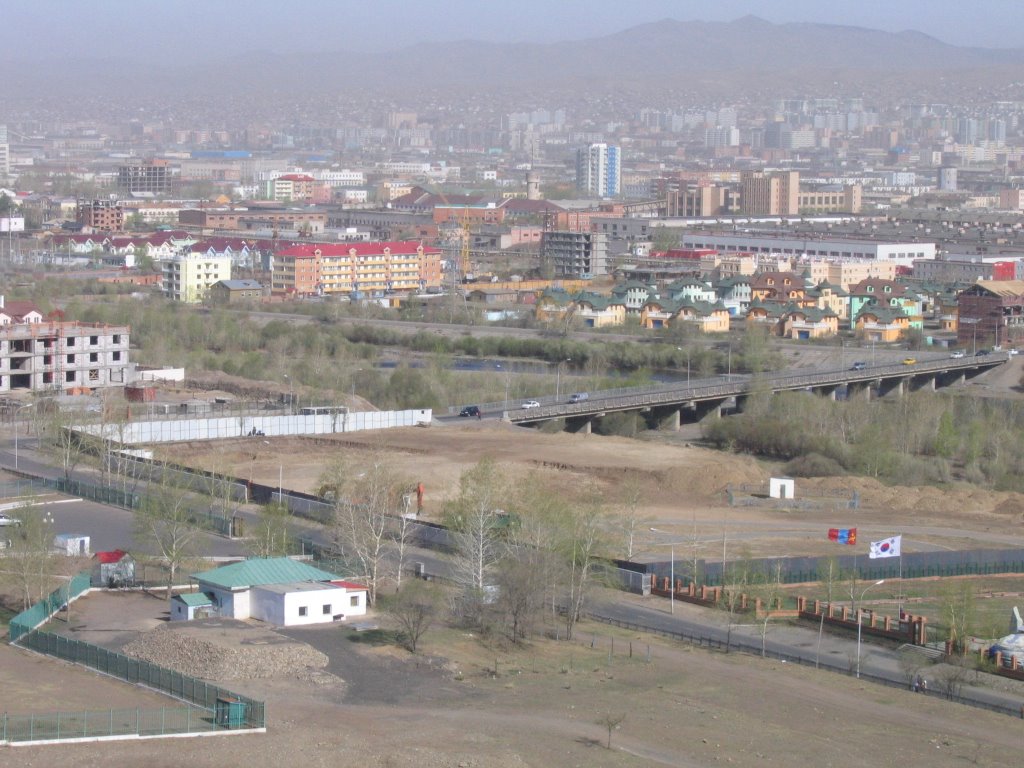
<point x="691" y="55"/>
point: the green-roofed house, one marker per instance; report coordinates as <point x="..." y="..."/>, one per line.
<point x="277" y="590"/>
<point x="191" y="605"/>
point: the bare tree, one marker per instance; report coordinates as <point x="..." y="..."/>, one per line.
<point x="959" y="613"/>
<point x="478" y="520"/>
<point x="164" y="526"/>
<point x="611" y="723"/>
<point x="270" y="538"/>
<point x="59" y="437"/>
<point x="767" y="588"/>
<point x="363" y="512"/>
<point x="629" y="519"/>
<point x="415" y="608"/>
<point x="581" y="542"/>
<point x="30" y="560"/>
<point x="734" y="590"/>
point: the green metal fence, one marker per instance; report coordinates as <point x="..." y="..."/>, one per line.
<point x="137" y="671"/>
<point x="38" y="614"/>
<point x="14" y="489"/>
<point x="99" y="724"/>
<point x="101" y="493"/>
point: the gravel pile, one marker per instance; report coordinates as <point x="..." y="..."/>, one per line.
<point x="193" y="655"/>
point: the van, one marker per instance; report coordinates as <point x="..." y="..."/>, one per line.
<point x="578" y="397"/>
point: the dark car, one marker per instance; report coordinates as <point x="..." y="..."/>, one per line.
<point x="858" y="366"/>
<point x="981" y="353"/>
<point x="470" y="410"/>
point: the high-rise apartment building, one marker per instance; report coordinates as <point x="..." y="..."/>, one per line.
<point x="575" y="254"/>
<point x="770" y="194"/>
<point x="599" y="170"/>
<point x="149" y="178"/>
<point x="5" y="153"/>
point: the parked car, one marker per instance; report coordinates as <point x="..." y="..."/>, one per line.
<point x="531" y="404"/>
<point x="6" y="520"/>
<point x="910" y="361"/>
<point x="958" y="354"/>
<point x="578" y="397"/>
<point x="470" y="410"/>
<point x="858" y="366"/>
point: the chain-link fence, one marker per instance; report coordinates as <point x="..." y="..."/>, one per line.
<point x="100" y="724"/>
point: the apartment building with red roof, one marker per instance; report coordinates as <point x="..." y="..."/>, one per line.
<point x="323" y="269"/>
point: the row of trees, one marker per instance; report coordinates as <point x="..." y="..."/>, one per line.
<point x="917" y="438"/>
<point x="519" y="551"/>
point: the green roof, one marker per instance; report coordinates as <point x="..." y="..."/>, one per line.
<point x="195" y="599"/>
<point x="262" y="570"/>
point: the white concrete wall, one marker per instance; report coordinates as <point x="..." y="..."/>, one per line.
<point x="283" y="609"/>
<point x="227" y="603"/>
<point x="178" y="430"/>
<point x="267" y="606"/>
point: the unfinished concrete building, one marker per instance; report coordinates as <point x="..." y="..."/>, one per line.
<point x="67" y="357"/>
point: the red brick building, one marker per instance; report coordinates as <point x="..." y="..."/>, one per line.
<point x="991" y="313"/>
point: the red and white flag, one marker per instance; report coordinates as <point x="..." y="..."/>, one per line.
<point x="886" y="547"/>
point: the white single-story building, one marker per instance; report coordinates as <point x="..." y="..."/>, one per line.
<point x="191" y="605"/>
<point x="289" y="605"/>
<point x="279" y="591"/>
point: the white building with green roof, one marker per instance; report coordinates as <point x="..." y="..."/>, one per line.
<point x="277" y="590"/>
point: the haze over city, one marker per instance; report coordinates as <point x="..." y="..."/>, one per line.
<point x="200" y="30"/>
<point x="461" y="385"/>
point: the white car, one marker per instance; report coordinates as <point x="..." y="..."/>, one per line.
<point x="958" y="354"/>
<point x="6" y="520"/>
<point x="531" y="404"/>
<point x="1013" y="351"/>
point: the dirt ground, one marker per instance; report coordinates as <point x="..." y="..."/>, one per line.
<point x="446" y="708"/>
<point x="684" y="486"/>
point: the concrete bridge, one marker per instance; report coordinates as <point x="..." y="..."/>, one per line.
<point x="665" y="406"/>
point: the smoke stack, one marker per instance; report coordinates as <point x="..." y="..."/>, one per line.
<point x="532" y="185"/>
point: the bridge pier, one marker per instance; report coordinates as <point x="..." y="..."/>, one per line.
<point x="708" y="409"/>
<point x="887" y="386"/>
<point x="578" y="424"/>
<point x="667" y="419"/>
<point x="926" y="383"/>
<point x="828" y="391"/>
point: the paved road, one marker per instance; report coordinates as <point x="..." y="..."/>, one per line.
<point x="108" y="527"/>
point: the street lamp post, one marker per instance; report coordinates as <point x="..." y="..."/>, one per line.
<point x="558" y="376"/>
<point x="860" y="615"/>
<point x="687" y="362"/>
<point x="17" y="429"/>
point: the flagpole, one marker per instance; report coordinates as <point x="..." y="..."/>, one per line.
<point x="899" y="602"/>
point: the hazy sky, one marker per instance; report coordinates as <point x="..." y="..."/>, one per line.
<point x="203" y="29"/>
